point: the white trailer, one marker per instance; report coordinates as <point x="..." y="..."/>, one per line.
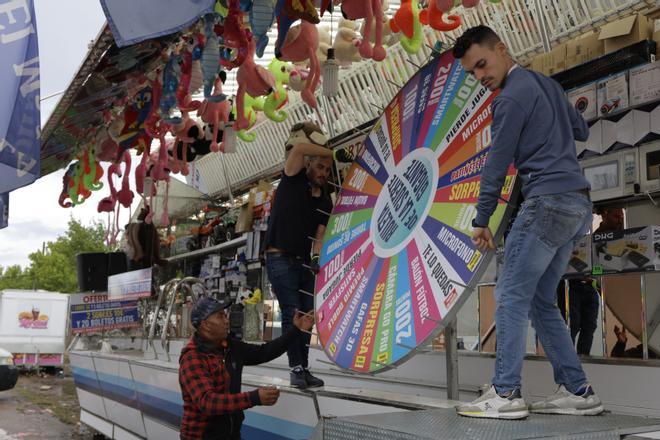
<point x="33" y="326"/>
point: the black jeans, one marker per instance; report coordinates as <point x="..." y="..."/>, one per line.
<point x="288" y="277"/>
<point x="583" y="303"/>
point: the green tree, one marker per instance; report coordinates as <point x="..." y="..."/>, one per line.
<point x="14" y="277"/>
<point x="55" y="269"/>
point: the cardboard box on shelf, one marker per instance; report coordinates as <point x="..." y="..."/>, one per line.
<point x="584" y="48"/>
<point x="555" y="60"/>
<point x="245" y="218"/>
<point x="613" y="93"/>
<point x="585" y="100"/>
<point x="624" y="32"/>
<point x="580" y="261"/>
<point x="538" y="63"/>
<point x="656" y="31"/>
<point x="645" y="83"/>
<point x="635" y="249"/>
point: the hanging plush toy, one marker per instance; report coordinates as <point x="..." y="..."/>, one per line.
<point x="183" y="98"/>
<point x="287" y="12"/>
<point x="277" y="99"/>
<point x="67" y="183"/>
<point x="389" y="38"/>
<point x="210" y="55"/>
<point x="367" y="9"/>
<point x="93" y="170"/>
<point x="406" y="21"/>
<point x="251" y="107"/>
<point x="216" y="111"/>
<point x="171" y="76"/>
<point x="346" y="43"/>
<point x="300" y="45"/>
<point x="447" y="5"/>
<point x="130" y="130"/>
<point x="107" y="204"/>
<point x="235" y="36"/>
<point x="253" y="80"/>
<point x="434" y="17"/>
<point x="125" y="195"/>
<point x="262" y="16"/>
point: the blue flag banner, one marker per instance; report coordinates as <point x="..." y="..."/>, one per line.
<point x="20" y="122"/>
<point x="4" y="210"/>
<point x="133" y="21"/>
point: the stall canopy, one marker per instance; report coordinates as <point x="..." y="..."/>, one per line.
<point x="19" y="103"/>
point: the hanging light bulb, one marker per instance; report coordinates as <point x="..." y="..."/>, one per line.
<point x="229" y="139"/>
<point x="330" y="74"/>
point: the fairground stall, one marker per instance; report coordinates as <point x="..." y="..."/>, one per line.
<point x="404" y="302"/>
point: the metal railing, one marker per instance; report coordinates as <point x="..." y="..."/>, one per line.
<point x="167" y="295"/>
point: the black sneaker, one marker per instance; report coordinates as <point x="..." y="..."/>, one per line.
<point x="312" y="382"/>
<point x="298" y="378"/>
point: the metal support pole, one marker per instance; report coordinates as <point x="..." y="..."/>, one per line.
<point x="451" y="353"/>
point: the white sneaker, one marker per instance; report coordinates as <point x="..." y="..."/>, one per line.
<point x="565" y="402"/>
<point x="490" y="405"/>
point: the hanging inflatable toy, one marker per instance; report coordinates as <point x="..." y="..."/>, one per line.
<point x="254" y="80"/>
<point x="301" y="45"/>
<point x="262" y="16"/>
<point x="370" y="10"/>
<point x="107" y="204"/>
<point x="434" y="17"/>
<point x="276" y="100"/>
<point x="406" y="21"/>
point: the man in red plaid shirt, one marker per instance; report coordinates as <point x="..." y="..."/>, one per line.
<point x="210" y="373"/>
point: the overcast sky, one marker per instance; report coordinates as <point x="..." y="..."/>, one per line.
<point x="65" y="29"/>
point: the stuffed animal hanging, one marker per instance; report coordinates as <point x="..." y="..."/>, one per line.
<point x="254" y="80"/>
<point x="434" y="17"/>
<point x="262" y="16"/>
<point x="250" y="109"/>
<point x="346" y="43"/>
<point x="215" y="111"/>
<point x="287" y="12"/>
<point x="235" y="36"/>
<point x="276" y="100"/>
<point x="300" y="45"/>
<point x="406" y="21"/>
<point x="367" y="9"/>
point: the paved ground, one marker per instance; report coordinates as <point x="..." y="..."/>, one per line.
<point x="29" y="412"/>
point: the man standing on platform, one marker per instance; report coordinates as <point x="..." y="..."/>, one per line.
<point x="535" y="127"/>
<point x="295" y="229"/>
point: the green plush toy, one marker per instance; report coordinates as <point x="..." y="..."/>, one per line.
<point x="276" y="100"/>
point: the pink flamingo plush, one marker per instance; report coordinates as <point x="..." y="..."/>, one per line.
<point x="215" y="112"/>
<point x="367" y="9"/>
<point x="301" y="44"/>
<point x="254" y="80"/>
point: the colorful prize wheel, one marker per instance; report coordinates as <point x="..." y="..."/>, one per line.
<point x="397" y="259"/>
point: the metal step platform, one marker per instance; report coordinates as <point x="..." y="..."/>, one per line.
<point x="445" y="424"/>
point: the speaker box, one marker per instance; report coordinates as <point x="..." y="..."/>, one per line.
<point x="116" y="263"/>
<point x="92" y="271"/>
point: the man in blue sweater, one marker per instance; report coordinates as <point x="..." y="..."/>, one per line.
<point x="534" y="127"/>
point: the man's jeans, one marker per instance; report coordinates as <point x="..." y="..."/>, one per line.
<point x="288" y="277"/>
<point x="536" y="254"/>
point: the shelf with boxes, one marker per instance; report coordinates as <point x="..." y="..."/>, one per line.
<point x="627" y="250"/>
